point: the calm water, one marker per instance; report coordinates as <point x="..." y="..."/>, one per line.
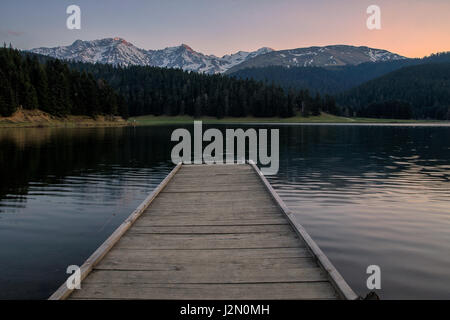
<point x="367" y="195"/>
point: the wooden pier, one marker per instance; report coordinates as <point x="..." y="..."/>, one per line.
<point x="210" y="232"/>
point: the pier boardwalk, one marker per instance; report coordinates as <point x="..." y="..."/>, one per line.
<point x="210" y="232"/>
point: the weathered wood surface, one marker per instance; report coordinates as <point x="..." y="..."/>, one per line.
<point x="212" y="232"/>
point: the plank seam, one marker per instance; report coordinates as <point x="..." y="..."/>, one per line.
<point x="221" y="248"/>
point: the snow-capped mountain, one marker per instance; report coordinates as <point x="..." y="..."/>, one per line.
<point x="186" y="58"/>
<point x="118" y="51"/>
<point x="335" y="55"/>
<point x="241" y="56"/>
<point x="113" y="51"/>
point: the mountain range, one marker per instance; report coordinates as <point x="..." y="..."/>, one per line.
<point x="328" y="56"/>
<point x="118" y="51"/>
<point x="363" y="81"/>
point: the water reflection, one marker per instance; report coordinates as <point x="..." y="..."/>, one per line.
<point x="62" y="192"/>
<point x="367" y="194"/>
<point x="371" y="195"/>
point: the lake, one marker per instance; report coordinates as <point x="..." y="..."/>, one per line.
<point x="367" y="194"/>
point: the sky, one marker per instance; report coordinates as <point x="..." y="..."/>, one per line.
<point x="413" y="28"/>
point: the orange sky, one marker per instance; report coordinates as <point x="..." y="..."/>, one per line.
<point x="413" y="28"/>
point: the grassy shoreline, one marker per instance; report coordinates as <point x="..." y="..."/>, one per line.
<point x="36" y="119"/>
<point x="323" y="118"/>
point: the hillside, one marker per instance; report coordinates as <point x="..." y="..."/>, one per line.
<point x="317" y="79"/>
<point x="425" y="87"/>
<point x="328" y="56"/>
<point x="331" y="80"/>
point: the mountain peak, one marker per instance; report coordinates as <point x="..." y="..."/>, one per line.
<point x="185" y="46"/>
<point x="265" y="49"/>
<point x="121" y="40"/>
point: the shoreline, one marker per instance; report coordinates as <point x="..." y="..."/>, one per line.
<point x="323" y="119"/>
<point x="39" y="119"/>
<point x="64" y="124"/>
<point x="150" y="120"/>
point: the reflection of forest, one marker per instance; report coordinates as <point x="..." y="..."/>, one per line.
<point x="21" y="138"/>
<point x="337" y="157"/>
<point x="332" y="155"/>
<point x="48" y="155"/>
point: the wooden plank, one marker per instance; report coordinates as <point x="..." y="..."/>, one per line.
<point x="216" y="168"/>
<point x="335" y="277"/>
<point x="208" y="188"/>
<point x="187" y="255"/>
<point x="207" y="241"/>
<point x="165" y="259"/>
<point x="205" y="186"/>
<point x="209" y="221"/>
<point x="194" y="229"/>
<point x="218" y="274"/>
<point x="217" y="176"/>
<point x="218" y="173"/>
<point x="142" y="263"/>
<point x="212" y="177"/>
<point x="166" y="214"/>
<point x="250" y="291"/>
<point x="235" y="203"/>
<point x="220" y="178"/>
<point x="211" y="209"/>
<point x="63" y="291"/>
<point x="214" y="197"/>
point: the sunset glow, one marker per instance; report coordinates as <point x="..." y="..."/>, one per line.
<point x="412" y="28"/>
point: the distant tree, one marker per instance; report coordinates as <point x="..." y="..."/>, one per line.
<point x="29" y="98"/>
<point x="393" y="109"/>
<point x="7" y="103"/>
<point x="198" y="107"/>
<point x="329" y="105"/>
<point x="316" y="105"/>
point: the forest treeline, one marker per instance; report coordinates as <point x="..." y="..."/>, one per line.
<point x="329" y="80"/>
<point x="157" y="91"/>
<point x="72" y="88"/>
<point x="400" y="89"/>
<point x="392" y="109"/>
<point x="423" y="89"/>
<point x="65" y="88"/>
<point x="52" y="87"/>
<point x="333" y="79"/>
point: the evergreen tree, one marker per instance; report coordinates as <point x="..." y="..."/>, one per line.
<point x="40" y="83"/>
<point x="52" y="87"/>
<point x="316" y="105"/>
